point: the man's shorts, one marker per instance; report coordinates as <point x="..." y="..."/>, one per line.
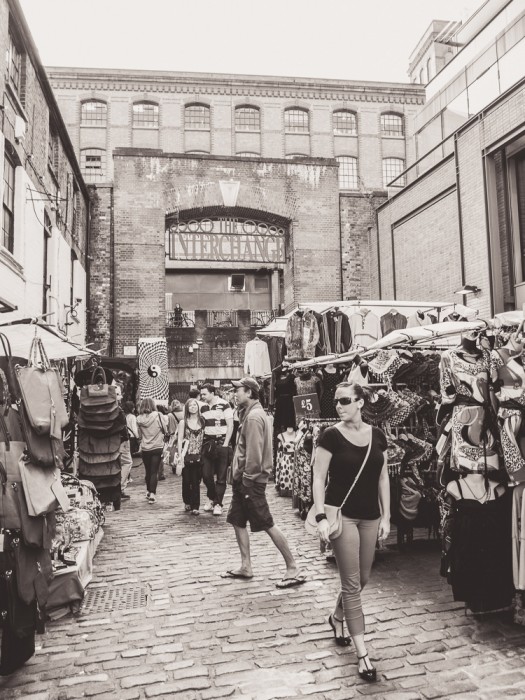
<point x="249" y="505"/>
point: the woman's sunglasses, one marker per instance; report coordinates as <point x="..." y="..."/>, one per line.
<point x="345" y="401"/>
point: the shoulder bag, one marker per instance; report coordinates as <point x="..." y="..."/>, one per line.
<point x="333" y="513"/>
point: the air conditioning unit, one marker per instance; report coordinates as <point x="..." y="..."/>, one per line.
<point x="20" y="128"/>
<point x="236" y="283"/>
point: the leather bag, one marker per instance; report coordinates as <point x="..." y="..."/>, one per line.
<point x="42" y="488"/>
<point x="42" y="393"/>
<point x="94" y="445"/>
<point x="97" y="389"/>
<point x="334" y="514"/>
<point x="99" y="470"/>
<point x="88" y="458"/>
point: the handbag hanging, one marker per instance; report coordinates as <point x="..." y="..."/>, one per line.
<point x="334" y="513"/>
<point x="98" y="391"/>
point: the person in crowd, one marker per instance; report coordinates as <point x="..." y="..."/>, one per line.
<point x="176" y="410"/>
<point x="353" y="457"/>
<point x="218" y="428"/>
<point x="152" y="427"/>
<point x="252" y="466"/>
<point x="190" y="438"/>
<point x="131" y="423"/>
<point x="164" y="411"/>
<point x="195" y="393"/>
<point x="126" y="462"/>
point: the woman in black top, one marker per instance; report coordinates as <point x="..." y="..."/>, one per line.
<point x="366" y="514"/>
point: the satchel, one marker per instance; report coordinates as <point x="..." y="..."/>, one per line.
<point x="94" y="393"/>
<point x="333" y="513"/>
<point x="42" y="392"/>
<point x="42" y="488"/>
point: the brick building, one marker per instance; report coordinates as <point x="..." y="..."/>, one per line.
<point x="45" y="200"/>
<point x="460" y="219"/>
<point x="233" y="196"/>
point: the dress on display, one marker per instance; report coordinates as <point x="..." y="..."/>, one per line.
<point x="284" y="408"/>
<point x="330" y="380"/>
<point x="308" y="384"/>
<point x="302" y="481"/>
<point x="465" y="386"/>
<point x="284" y="464"/>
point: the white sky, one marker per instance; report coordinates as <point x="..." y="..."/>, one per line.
<point x="352" y="39"/>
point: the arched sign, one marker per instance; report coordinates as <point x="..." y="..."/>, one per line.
<point x="226" y="239"/>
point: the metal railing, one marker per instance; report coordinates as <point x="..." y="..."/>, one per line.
<point x="180" y="319"/>
<point x="259" y="319"/>
<point x="222" y="319"/>
<point x="434" y="156"/>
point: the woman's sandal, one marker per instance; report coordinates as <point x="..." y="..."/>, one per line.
<point x="370" y="674"/>
<point x="340" y="641"/>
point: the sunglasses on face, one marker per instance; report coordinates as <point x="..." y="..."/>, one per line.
<point x="345" y="401"/>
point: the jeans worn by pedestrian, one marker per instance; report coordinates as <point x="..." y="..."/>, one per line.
<point x="152" y="460"/>
<point x="214" y="470"/>
<point x="191" y="483"/>
<point x="126" y="463"/>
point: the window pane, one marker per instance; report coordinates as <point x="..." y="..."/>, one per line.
<point x="345" y="123"/>
<point x="296" y="120"/>
<point x="348" y="178"/>
<point x="247" y="119"/>
<point x="93" y="164"/>
<point x="511" y="66"/>
<point x="392" y="168"/>
<point x="197" y="117"/>
<point x="391" y="125"/>
<point x="145" y="115"/>
<point x="94" y="112"/>
<point x="14" y="64"/>
<point x="483" y="91"/>
<point x="8" y="205"/>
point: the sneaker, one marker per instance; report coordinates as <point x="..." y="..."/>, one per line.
<point x="147" y="495"/>
<point x="152" y="498"/>
<point x="187" y="507"/>
<point x="217" y="509"/>
<point x="208" y="507"/>
<point x="125" y="496"/>
<point x="195" y="512"/>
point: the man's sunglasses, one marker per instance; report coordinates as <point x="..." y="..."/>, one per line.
<point x="345" y="401"/>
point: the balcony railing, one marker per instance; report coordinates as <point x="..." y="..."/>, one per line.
<point x="259" y="319"/>
<point x="222" y="319"/>
<point x="180" y="319"/>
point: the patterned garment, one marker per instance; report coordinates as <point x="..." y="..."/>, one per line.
<point x="330" y="382"/>
<point x="465" y="385"/>
<point x="215" y="418"/>
<point x="195" y="438"/>
<point x="302" y="481"/>
<point x="153" y="369"/>
<point x="386" y="364"/>
<point x="508" y="372"/>
<point x="284" y="465"/>
<point x="307" y="386"/>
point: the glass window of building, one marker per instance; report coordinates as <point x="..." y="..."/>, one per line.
<point x="247" y="119"/>
<point x="8" y="218"/>
<point x="197" y="118"/>
<point x="93" y="164"/>
<point x="145" y="115"/>
<point x="296" y="120"/>
<point x="392" y="168"/>
<point x="345" y="122"/>
<point x="295" y="156"/>
<point x="392" y="124"/>
<point x="13" y="69"/>
<point x="94" y="113"/>
<point x="348" y="177"/>
<point x="248" y="154"/>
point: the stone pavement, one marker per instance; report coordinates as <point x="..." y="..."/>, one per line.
<point x="159" y="622"/>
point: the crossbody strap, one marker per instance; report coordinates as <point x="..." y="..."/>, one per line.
<point x="161" y="424"/>
<point x="362" y="467"/>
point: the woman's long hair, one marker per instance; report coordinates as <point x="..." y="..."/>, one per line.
<point x="187" y="413"/>
<point x="147" y="406"/>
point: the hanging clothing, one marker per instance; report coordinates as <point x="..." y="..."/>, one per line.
<point x="308" y="384"/>
<point x="365" y="328"/>
<point x="336" y="331"/>
<point x="480" y="555"/>
<point x="420" y="318"/>
<point x="356" y="375"/>
<point x="392" y="321"/>
<point x="284" y="392"/>
<point x="257" y="358"/>
<point x="329" y="380"/>
<point x="508" y="374"/>
<point x="302" y="478"/>
<point x="302" y="335"/>
<point x="465" y="386"/>
<point x="284" y="463"/>
<point x="518" y="537"/>
<point x="276" y="349"/>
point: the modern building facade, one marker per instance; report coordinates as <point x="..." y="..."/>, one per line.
<point x="44" y="198"/>
<point x="458" y="218"/>
<point x="233" y="197"/>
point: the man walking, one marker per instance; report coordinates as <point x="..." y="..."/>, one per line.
<point x="218" y="428"/>
<point x="252" y="465"/>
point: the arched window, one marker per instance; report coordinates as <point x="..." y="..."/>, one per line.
<point x="197" y="117"/>
<point x="248" y="154"/>
<point x="145" y="115"/>
<point x="422" y="76"/>
<point x="296" y="120"/>
<point x="93" y="113"/>
<point x="247" y="119"/>
<point x="392" y="124"/>
<point x="345" y="122"/>
<point x="392" y="168"/>
<point x="296" y="156"/>
<point x="93" y="164"/>
<point x="348" y="177"/>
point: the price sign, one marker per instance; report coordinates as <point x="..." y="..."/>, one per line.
<point x="306" y="406"/>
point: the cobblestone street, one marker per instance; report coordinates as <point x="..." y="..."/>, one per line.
<point x="177" y="629"/>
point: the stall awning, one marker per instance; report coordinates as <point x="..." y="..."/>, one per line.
<point x="448" y="333"/>
<point x="56" y="345"/>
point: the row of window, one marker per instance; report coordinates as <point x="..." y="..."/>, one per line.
<point x="247" y="118"/>
<point x="93" y="165"/>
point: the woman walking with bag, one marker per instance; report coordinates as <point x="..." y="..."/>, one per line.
<point x="152" y="427"/>
<point x="190" y="437"/>
<point x="356" y="503"/>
